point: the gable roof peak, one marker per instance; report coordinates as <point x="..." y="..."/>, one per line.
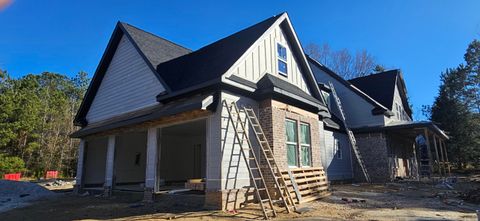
<point x="378" y="74"/>
<point x="210" y="62"/>
<point x="130" y="27"/>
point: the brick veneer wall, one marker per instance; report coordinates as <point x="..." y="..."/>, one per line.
<point x="272" y="116"/>
<point x="374" y="150"/>
<point x="231" y="199"/>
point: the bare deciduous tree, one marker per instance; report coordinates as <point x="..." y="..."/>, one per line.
<point x="342" y="61"/>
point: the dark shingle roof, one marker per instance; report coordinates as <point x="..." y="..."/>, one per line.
<point x="379" y="108"/>
<point x="380" y="86"/>
<point x="210" y="62"/>
<point x="269" y="82"/>
<point x="156" y="49"/>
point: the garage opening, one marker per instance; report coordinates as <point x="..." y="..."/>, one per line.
<point x="183" y="156"/>
<point x="130" y="161"/>
<point x="94" y="162"/>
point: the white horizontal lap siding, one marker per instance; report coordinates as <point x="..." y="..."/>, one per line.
<point x="234" y="177"/>
<point x="357" y="110"/>
<point x="262" y="59"/>
<point x="337" y="169"/>
<point x="129" y="84"/>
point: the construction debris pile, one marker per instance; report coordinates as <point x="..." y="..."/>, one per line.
<point x="57" y="183"/>
<point x="15" y="194"/>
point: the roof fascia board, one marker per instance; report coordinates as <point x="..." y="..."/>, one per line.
<point x="150" y="65"/>
<point x="411" y="125"/>
<point x="162" y="98"/>
<point x="243" y="84"/>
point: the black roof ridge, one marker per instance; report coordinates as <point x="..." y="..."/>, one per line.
<point x="154" y="35"/>
<point x="250" y="26"/>
<point x="396" y="71"/>
<point x="166" y="67"/>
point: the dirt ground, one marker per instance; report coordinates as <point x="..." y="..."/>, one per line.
<point x="402" y="200"/>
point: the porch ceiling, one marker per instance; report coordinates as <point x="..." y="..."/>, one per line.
<point x="409" y="129"/>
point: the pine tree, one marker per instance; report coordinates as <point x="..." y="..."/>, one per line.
<point x="456" y="108"/>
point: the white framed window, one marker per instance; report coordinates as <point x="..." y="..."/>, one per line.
<point x="337" y="149"/>
<point x="291" y="135"/>
<point x="305" y="147"/>
<point x="326" y="96"/>
<point x="282" y="60"/>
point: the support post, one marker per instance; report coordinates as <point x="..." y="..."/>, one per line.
<point x="446" y="157"/>
<point x="415" y="162"/>
<point x="151" y="168"/>
<point x="159" y="158"/>
<point x="80" y="162"/>
<point x="436" y="155"/>
<point x="442" y="157"/>
<point x="427" y="141"/>
<point x="109" y="166"/>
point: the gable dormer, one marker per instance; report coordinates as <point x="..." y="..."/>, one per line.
<point x="277" y="52"/>
<point x="388" y="88"/>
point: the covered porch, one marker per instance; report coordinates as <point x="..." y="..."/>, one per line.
<point x="154" y="152"/>
<point x="414" y="149"/>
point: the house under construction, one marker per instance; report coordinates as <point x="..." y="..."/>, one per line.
<point x="248" y="117"/>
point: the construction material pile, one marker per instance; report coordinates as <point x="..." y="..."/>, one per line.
<point x="14" y="194"/>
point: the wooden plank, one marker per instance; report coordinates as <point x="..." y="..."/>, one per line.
<point x="311" y="183"/>
<point x="315" y="197"/>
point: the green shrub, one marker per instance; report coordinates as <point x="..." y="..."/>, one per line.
<point x="11" y="165"/>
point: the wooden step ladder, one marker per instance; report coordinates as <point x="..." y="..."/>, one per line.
<point x="273" y="168"/>
<point x="261" y="191"/>
<point x="351" y="137"/>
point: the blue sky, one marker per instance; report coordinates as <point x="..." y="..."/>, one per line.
<point x="422" y="38"/>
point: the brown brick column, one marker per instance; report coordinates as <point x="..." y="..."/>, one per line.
<point x="272" y="116"/>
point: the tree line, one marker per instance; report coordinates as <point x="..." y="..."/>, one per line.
<point x="457" y="109"/>
<point x="343" y="62"/>
<point x="36" y="115"/>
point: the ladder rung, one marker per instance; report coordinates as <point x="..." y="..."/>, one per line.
<point x="265" y="200"/>
<point x="261" y="189"/>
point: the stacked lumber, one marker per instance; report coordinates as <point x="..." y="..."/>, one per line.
<point x="307" y="184"/>
<point x="195" y="184"/>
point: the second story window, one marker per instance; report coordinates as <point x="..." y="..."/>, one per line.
<point x="282" y="60"/>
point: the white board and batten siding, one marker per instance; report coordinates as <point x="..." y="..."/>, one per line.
<point x="128" y="85"/>
<point x="357" y="109"/>
<point x="261" y="58"/>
